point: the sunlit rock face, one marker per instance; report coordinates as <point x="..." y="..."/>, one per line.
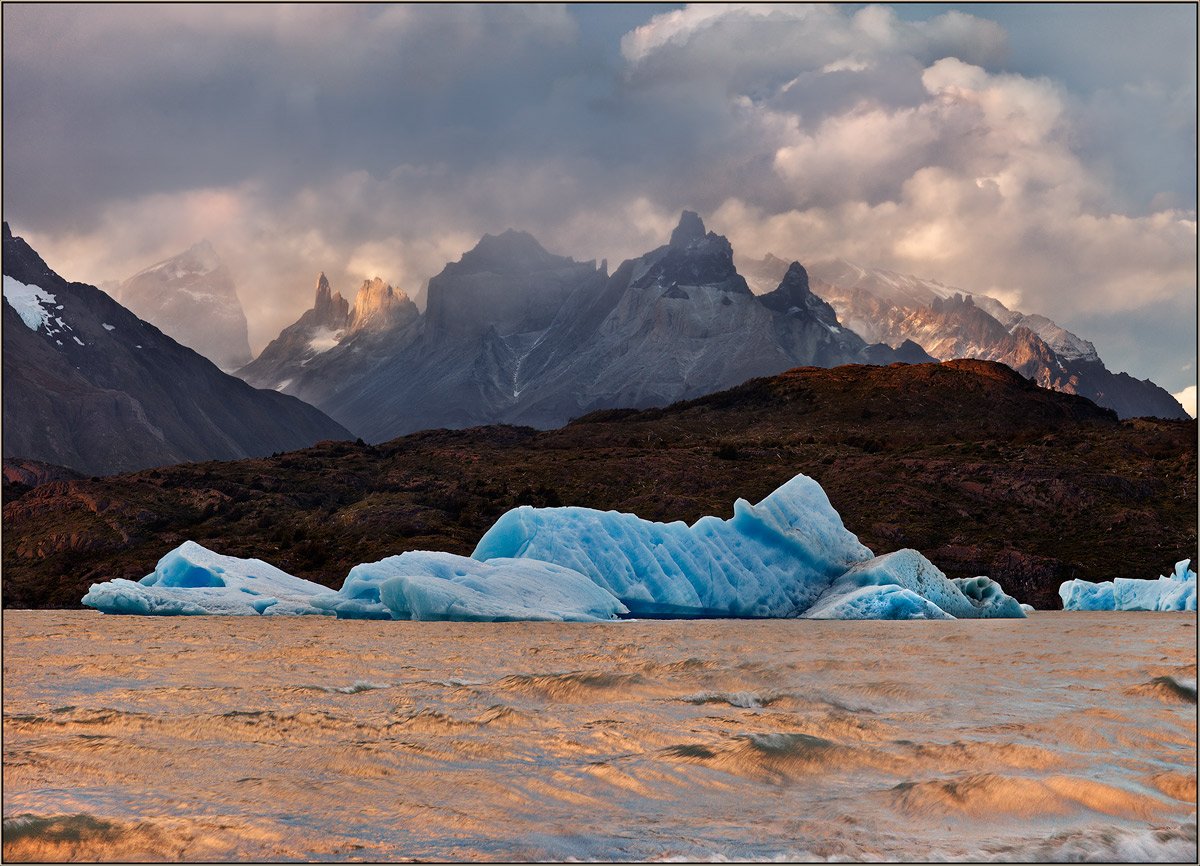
<point x="379" y="307"/>
<point x="192" y="298"/>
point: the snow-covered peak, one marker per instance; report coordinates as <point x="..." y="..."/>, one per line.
<point x="198" y="260"/>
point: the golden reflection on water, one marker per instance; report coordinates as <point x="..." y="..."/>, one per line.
<point x="1058" y="737"/>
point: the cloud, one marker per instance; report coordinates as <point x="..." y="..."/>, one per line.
<point x="1187" y="399"/>
<point x="369" y="140"/>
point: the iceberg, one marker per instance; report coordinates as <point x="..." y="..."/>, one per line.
<point x="1174" y="592"/>
<point x="876" y="602"/>
<point x="192" y="580"/>
<point x="425" y="585"/>
<point x="906" y="585"/>
<point x="787" y="556"/>
<point x="773" y="559"/>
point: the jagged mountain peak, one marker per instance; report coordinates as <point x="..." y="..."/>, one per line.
<point x="692" y="258"/>
<point x="379" y="306"/>
<point x="690" y="228"/>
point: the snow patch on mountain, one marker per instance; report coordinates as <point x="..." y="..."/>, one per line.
<point x="32" y="303"/>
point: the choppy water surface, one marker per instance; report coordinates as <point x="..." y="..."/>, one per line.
<point x="1064" y="736"/>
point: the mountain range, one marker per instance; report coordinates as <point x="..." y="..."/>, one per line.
<point x="90" y="386"/>
<point x="515" y="334"/>
<point x="948" y="323"/>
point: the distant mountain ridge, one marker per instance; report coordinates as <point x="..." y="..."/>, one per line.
<point x="90" y="386"/>
<point x="892" y="308"/>
<point x="191" y="297"/>
<point x="515" y="334"/>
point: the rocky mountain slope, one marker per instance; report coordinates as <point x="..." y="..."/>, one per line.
<point x="191" y="297"/>
<point x="89" y="385"/>
<point x="515" y="334"/>
<point x="886" y="307"/>
<point x="965" y="461"/>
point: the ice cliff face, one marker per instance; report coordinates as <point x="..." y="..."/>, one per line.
<point x="192" y="298"/>
<point x="890" y="308"/>
<point x="516" y="334"/>
<point x="787" y="556"/>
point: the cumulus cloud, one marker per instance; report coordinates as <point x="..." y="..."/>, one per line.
<point x="1187" y="399"/>
<point x="384" y="140"/>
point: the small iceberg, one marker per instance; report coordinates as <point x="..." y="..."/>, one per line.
<point x="1175" y="592"/>
<point x="787" y="556"/>
<point x="906" y="585"/>
<point x="192" y="581"/>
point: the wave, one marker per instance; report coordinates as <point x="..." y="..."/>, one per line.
<point x="986" y="794"/>
<point x="61" y="838"/>
<point x="1107" y="844"/>
<point x="356" y="688"/>
<point x="574" y="686"/>
<point x="1168" y="689"/>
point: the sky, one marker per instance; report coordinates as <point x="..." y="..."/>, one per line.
<point x="1045" y="154"/>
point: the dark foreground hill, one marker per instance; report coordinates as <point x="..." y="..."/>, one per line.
<point x="966" y="461"/>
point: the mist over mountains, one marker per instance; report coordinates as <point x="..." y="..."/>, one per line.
<point x="515" y="334"/>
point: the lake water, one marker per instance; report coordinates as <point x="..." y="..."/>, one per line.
<point x="1064" y="736"/>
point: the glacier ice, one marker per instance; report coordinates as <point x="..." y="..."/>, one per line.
<point x="192" y="580"/>
<point x="770" y="559"/>
<point x="789" y="555"/>
<point x="425" y="585"/>
<point x="876" y="602"/>
<point x="1176" y="591"/>
<point x="905" y="585"/>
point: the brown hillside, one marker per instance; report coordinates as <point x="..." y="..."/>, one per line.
<point x="965" y="461"/>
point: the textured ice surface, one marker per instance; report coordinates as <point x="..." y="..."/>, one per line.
<point x="906" y="585"/>
<point x="1084" y="595"/>
<point x="770" y="559"/>
<point x="1176" y="591"/>
<point x="192" y="580"/>
<point x="876" y="602"/>
<point x="424" y="585"/>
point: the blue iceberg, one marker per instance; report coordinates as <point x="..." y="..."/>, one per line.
<point x="1176" y="592"/>
<point x="787" y="556"/>
<point x="906" y="585"/>
<point x="192" y="580"/>
<point x="423" y="585"/>
<point x="772" y="559"/>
